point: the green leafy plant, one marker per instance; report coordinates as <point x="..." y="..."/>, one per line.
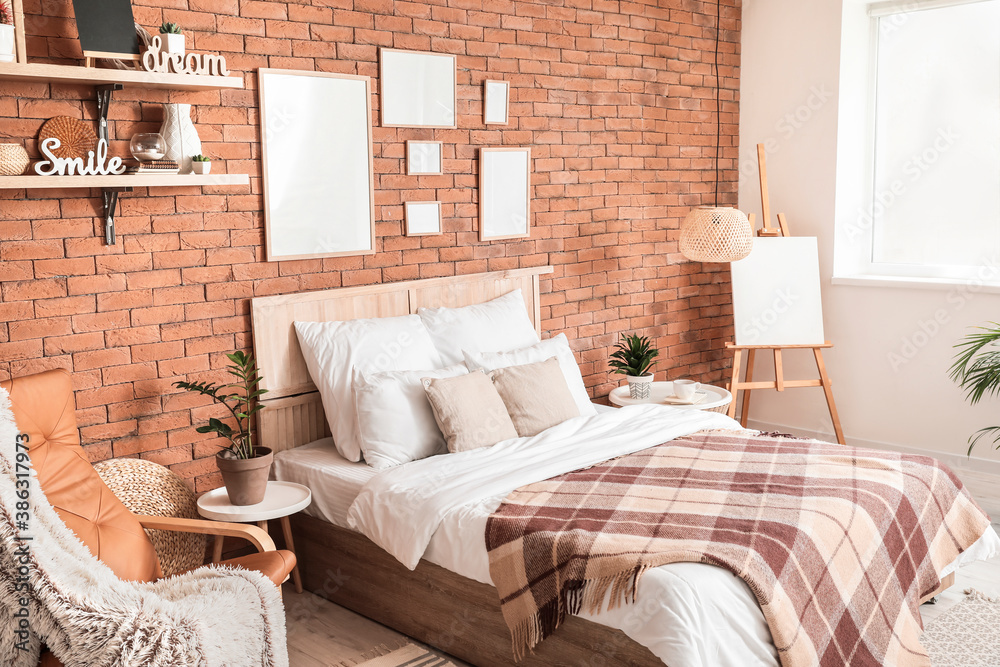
<point x="633" y="355"/>
<point x="243" y="404"/>
<point x="6" y="13"/>
<point x="170" y="29"/>
<point x="201" y="158"/>
<point x="977" y="370"/>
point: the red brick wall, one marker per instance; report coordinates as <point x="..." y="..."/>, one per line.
<point x="615" y="99"/>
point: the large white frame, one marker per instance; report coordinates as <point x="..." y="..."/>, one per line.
<point x="504" y="193"/>
<point x="316" y="133"/>
<point x="419" y="89"/>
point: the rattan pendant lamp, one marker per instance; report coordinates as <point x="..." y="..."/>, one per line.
<point x="716" y="233"/>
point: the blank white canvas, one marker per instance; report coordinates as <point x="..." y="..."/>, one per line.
<point x="423" y="157"/>
<point x="423" y="217"/>
<point x="496" y="102"/>
<point x="505" y="180"/>
<point x="776" y="293"/>
<point x="418" y="89"/>
<point x="317" y="154"/>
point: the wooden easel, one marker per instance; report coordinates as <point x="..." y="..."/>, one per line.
<point x="779" y="382"/>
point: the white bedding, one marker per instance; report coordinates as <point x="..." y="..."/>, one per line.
<point x="688" y="614"/>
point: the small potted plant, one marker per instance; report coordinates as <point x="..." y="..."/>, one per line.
<point x="6" y="32"/>
<point x="977" y="370"/>
<point x="201" y="164"/>
<point x="173" y="38"/>
<point x="244" y="465"/>
<point x="633" y="358"/>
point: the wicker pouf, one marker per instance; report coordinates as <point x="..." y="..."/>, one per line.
<point x="13" y="159"/>
<point x="148" y="488"/>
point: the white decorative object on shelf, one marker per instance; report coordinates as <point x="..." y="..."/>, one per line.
<point x="6" y="43"/>
<point x="158" y="59"/>
<point x="182" y="139"/>
<point x="174" y="43"/>
<point x="202" y="167"/>
<point x="97" y="164"/>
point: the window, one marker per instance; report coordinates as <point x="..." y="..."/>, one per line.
<point x="934" y="187"/>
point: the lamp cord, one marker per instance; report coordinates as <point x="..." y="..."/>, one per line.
<point x="718" y="98"/>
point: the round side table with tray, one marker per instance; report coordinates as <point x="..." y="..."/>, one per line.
<point x="708" y="397"/>
<point x="281" y="500"/>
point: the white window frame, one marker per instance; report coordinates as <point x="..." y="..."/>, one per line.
<point x="854" y="245"/>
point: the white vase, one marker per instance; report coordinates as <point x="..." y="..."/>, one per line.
<point x="173" y="43"/>
<point x="6" y="43"/>
<point x="181" y="137"/>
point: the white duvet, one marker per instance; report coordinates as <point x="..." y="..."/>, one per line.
<point x="687" y="614"/>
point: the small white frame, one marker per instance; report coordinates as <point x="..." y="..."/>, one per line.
<point x="504" y="193"/>
<point x="424" y="158"/>
<point x="496" y="102"/>
<point x="418" y="89"/>
<point x="423" y="218"/>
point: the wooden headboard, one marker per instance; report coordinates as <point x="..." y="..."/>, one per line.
<point x="293" y="412"/>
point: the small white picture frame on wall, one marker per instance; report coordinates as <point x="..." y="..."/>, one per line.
<point x="423" y="218"/>
<point x="418" y="89"/>
<point x="504" y="193"/>
<point x="424" y="158"/>
<point x="496" y="102"/>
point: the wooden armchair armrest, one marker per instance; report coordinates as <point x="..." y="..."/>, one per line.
<point x="261" y="540"/>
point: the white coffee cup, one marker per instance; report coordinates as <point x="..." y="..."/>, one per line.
<point x="685" y="389"/>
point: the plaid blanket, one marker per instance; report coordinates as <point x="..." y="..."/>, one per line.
<point x="837" y="543"/>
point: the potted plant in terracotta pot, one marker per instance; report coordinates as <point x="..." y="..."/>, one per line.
<point x="244" y="466"/>
<point x="173" y="38"/>
<point x="6" y="32"/>
<point x="633" y="358"/>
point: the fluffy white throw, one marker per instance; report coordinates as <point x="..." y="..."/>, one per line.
<point x="88" y="617"/>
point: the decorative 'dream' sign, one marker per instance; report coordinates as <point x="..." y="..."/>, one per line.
<point x="155" y="59"/>
<point x="96" y="165"/>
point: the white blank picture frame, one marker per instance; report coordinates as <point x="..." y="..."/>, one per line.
<point x="424" y="158"/>
<point x="423" y="218"/>
<point x="496" y="102"/>
<point x="316" y="134"/>
<point x="418" y="89"/>
<point x="776" y="293"/>
<point x="504" y="193"/>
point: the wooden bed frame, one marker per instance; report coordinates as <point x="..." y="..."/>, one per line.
<point x="431" y="604"/>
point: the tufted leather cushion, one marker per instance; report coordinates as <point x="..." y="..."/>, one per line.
<point x="44" y="408"/>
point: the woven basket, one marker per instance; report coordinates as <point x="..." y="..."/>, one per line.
<point x="716" y="234"/>
<point x="148" y="488"/>
<point x="13" y="159"/>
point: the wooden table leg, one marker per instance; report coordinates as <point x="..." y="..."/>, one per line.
<point x="286" y="528"/>
<point x="744" y="415"/>
<point x="828" y="391"/>
<point x="734" y="387"/>
<point x="217" y="549"/>
<point x="262" y="525"/>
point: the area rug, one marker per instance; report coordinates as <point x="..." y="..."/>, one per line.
<point x="967" y="635"/>
<point x="409" y="655"/>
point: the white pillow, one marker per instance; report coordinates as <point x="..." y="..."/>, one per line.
<point x="558" y="347"/>
<point x="395" y="421"/>
<point x="333" y="350"/>
<point x="500" y="324"/>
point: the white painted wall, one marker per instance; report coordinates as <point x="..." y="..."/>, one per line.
<point x="791" y="99"/>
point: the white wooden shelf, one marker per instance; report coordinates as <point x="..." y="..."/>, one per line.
<point x="122" y="181"/>
<point x="98" y="77"/>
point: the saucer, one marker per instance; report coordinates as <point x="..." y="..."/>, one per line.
<point x="698" y="397"/>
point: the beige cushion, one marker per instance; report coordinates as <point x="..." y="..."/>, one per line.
<point x="469" y="411"/>
<point x="536" y="395"/>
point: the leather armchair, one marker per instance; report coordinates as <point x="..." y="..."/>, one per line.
<point x="44" y="409"/>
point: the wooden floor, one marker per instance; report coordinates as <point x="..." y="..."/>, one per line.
<point x="321" y="633"/>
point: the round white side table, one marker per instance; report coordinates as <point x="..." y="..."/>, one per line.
<point x="281" y="500"/>
<point x="717" y="400"/>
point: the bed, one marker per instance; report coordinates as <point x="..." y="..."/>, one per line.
<point x="691" y="611"/>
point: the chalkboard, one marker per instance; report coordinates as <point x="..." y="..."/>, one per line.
<point x="107" y="28"/>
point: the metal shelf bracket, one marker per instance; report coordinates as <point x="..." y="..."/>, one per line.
<point x="110" y="198"/>
<point x="103" y="106"/>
